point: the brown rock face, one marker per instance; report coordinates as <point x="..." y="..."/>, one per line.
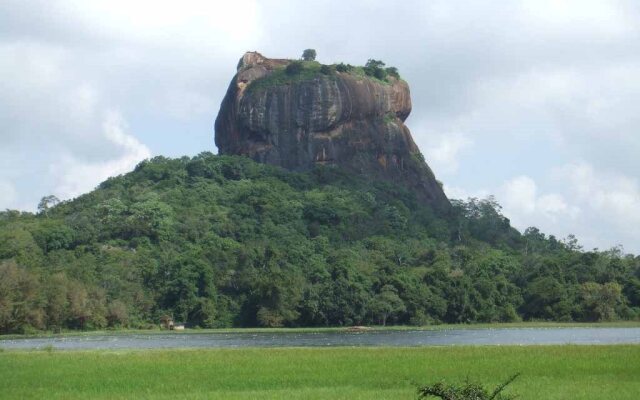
<point x="339" y="118"/>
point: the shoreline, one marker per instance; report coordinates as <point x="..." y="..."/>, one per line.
<point x="188" y="331"/>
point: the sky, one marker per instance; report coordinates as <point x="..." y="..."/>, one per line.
<point x="532" y="101"/>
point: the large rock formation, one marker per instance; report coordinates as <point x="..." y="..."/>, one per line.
<point x="308" y="118"/>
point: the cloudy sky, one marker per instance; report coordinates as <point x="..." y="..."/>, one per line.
<point x="533" y="101"/>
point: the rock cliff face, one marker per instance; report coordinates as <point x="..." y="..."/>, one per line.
<point x="311" y="118"/>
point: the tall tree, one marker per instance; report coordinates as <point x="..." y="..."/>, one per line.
<point x="309" y="55"/>
<point x="46" y="203"/>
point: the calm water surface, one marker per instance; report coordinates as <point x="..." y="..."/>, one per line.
<point x="522" y="336"/>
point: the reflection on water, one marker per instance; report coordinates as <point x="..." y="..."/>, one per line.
<point x="525" y="336"/>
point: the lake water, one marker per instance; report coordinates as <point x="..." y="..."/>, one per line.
<point x="507" y="336"/>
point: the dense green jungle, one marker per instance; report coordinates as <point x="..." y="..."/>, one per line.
<point x="221" y="241"/>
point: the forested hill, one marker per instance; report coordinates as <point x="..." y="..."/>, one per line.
<point x="219" y="241"/>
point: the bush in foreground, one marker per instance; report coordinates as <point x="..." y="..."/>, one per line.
<point x="467" y="391"/>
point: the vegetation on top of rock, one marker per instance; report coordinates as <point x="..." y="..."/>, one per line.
<point x="308" y="68"/>
<point x="342" y="67"/>
<point x="327" y="69"/>
<point x="294" y="67"/>
<point x="218" y="241"/>
<point x="393" y="71"/>
<point x="376" y="69"/>
<point x="293" y="72"/>
<point x="309" y="55"/>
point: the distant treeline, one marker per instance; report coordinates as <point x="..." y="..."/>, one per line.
<point x="217" y="241"/>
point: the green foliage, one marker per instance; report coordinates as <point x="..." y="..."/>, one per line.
<point x="389" y="117"/>
<point x="600" y="301"/>
<point x="393" y="71"/>
<point x="547" y="299"/>
<point x="46" y="203"/>
<point x="296" y="71"/>
<point x="307" y="69"/>
<point x="387" y="304"/>
<point x="19" y="299"/>
<point x="218" y="241"/>
<point x="466" y="391"/>
<point x="294" y="68"/>
<point x="309" y="55"/>
<point x="342" y="67"/>
<point x="326" y="69"/>
<point x="376" y="69"/>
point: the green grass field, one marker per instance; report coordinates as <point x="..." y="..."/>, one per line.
<point x="548" y="372"/>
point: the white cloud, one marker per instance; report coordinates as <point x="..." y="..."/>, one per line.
<point x="525" y="207"/>
<point x="554" y="204"/>
<point x="499" y="90"/>
<point x="184" y="104"/>
<point x="577" y="16"/>
<point x="443" y="154"/>
<point x="614" y="196"/>
<point x="8" y="194"/>
<point x="520" y="195"/>
<point x="73" y="175"/>
<point x="459" y="193"/>
<point x="601" y="208"/>
<point x="187" y="23"/>
<point x="83" y="101"/>
<point x="566" y="103"/>
<point x="57" y="117"/>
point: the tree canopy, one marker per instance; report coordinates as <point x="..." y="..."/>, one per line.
<point x="309" y="55"/>
<point x="217" y="241"/>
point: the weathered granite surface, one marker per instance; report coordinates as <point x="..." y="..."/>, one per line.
<point x="342" y="118"/>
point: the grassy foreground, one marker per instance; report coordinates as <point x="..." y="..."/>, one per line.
<point x="548" y="372"/>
